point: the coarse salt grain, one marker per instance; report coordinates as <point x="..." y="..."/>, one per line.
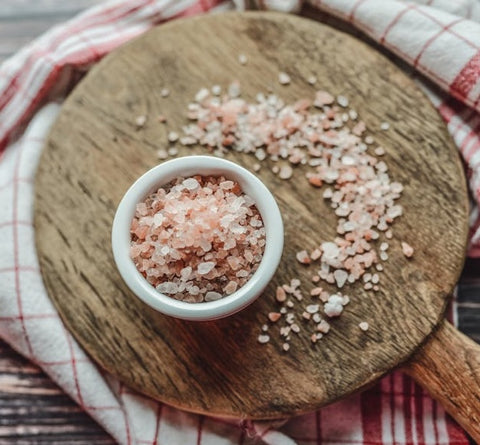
<point x="274" y="316"/>
<point x="164" y="92"/>
<point x="333" y="307"/>
<point x="323" y="326"/>
<point x="263" y="339"/>
<point x="302" y="257"/>
<point x="407" y="249"/>
<point x="140" y="121"/>
<point x="242" y="58"/>
<point x="363" y="326"/>
<point x="285" y="172"/>
<point x="173" y="136"/>
<point x="342" y="101"/>
<point x="162" y="153"/>
<point x="281" y="295"/>
<point x="284" y="78"/>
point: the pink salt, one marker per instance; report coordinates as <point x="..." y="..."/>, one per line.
<point x="197" y="239"/>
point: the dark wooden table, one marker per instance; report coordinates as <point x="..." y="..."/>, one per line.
<point x="32" y="408"/>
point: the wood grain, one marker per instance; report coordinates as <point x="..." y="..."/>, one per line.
<point x="35" y="410"/>
<point x="94" y="152"/>
<point x="448" y="365"/>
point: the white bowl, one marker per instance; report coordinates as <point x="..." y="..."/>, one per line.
<point x="189" y="166"/>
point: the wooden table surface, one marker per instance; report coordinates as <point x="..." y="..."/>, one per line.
<point x="32" y="408"/>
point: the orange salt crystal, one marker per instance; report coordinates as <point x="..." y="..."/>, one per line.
<point x="274" y="316"/>
<point x="281" y="295"/>
<point x="315" y="181"/>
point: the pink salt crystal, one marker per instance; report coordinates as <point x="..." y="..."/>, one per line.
<point x="315" y="279"/>
<point x="316" y="254"/>
<point x="323" y="327"/>
<point x="302" y="257"/>
<point x="230" y="288"/>
<point x="281" y="296"/>
<point x="323" y="98"/>
<point x="407" y="249"/>
<point x="306" y="315"/>
<point x="315" y="181"/>
<point x="274" y="316"/>
<point x="234" y="262"/>
<point x="295" y="328"/>
<point x="316" y="291"/>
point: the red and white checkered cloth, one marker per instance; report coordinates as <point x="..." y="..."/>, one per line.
<point x="440" y="38"/>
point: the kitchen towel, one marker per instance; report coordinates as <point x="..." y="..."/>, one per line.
<point x="439" y="38"/>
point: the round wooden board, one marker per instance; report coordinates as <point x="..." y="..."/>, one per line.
<point x="95" y="152"/>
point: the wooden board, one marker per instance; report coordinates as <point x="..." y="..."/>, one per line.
<point x="95" y="151"/>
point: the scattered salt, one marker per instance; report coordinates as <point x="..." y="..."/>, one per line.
<point x="140" y="121"/>
<point x="173" y="136"/>
<point x="363" y="326"/>
<point x="284" y="78"/>
<point x="263" y="339"/>
<point x="407" y="249"/>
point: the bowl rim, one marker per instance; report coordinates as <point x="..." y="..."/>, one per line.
<point x="188" y="166"/>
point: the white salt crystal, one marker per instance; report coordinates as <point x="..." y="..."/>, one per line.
<point x="191" y="184"/>
<point x="204" y="268"/>
<point x="340" y="277"/>
<point x="312" y="308"/>
<point x="172" y="136"/>
<point x="284" y="78"/>
<point x="333" y="307"/>
<point x="202" y="95"/>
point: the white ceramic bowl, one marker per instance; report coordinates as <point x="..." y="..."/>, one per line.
<point x="189" y="166"/>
